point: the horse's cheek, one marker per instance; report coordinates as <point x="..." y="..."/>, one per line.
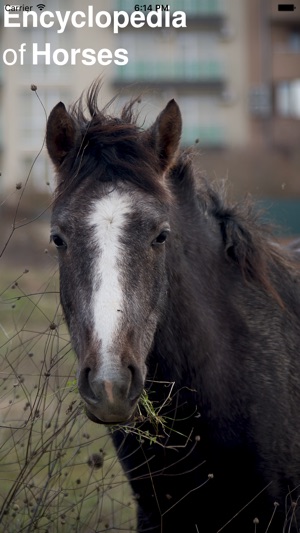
<point x="65" y="293"/>
<point x="153" y="284"/>
<point x="71" y="303"/>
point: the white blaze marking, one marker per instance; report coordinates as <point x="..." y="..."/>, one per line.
<point x="108" y="219"/>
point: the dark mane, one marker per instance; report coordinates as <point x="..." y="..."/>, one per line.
<point x="109" y="147"/>
<point x="89" y="102"/>
<point x="248" y="242"/>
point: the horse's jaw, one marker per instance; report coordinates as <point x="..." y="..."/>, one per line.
<point x="97" y="416"/>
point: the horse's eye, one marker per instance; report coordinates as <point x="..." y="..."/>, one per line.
<point x="161" y="238"/>
<point x="58" y="241"/>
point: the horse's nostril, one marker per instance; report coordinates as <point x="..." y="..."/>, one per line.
<point x="136" y="385"/>
<point x="111" y="390"/>
<point x="84" y="384"/>
<point x="131" y="370"/>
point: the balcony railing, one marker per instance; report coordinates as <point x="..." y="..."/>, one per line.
<point x="198" y="7"/>
<point x="205" y="8"/>
<point x="210" y="136"/>
<point x="205" y="72"/>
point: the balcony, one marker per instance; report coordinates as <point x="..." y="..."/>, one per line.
<point x="199" y="74"/>
<point x="209" y="12"/>
<point x="208" y="136"/>
<point x="190" y="7"/>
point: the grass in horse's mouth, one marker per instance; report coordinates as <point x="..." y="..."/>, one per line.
<point x="157" y="426"/>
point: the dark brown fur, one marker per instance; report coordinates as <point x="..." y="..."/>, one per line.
<point x="228" y="336"/>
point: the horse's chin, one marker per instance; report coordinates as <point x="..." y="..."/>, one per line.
<point x="113" y="421"/>
<point x="92" y="417"/>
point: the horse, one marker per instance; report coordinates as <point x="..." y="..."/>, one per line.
<point x="174" y="294"/>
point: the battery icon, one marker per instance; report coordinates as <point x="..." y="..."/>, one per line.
<point x="286" y="7"/>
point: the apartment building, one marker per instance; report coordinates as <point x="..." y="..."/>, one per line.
<point x="234" y="70"/>
<point x="23" y="113"/>
<point x="203" y="66"/>
<point x="274" y="74"/>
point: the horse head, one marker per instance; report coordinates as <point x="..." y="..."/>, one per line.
<point x="111" y="227"/>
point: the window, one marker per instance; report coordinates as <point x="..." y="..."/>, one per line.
<point x="33" y="120"/>
<point x="41" y="172"/>
<point x="287" y="99"/>
<point x="294" y="41"/>
<point x="201" y="121"/>
<point x="42" y="73"/>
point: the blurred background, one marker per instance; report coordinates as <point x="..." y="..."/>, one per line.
<point x="235" y="72"/>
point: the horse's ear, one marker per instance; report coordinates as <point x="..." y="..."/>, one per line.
<point x="165" y="134"/>
<point x="60" y="133"/>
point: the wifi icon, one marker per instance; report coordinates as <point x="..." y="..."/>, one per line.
<point x="41" y="6"/>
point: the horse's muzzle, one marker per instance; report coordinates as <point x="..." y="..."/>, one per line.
<point x="112" y="399"/>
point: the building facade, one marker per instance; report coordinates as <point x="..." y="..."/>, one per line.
<point x="234" y="70"/>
